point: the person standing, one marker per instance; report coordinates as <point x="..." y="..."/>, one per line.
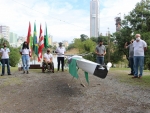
<point x="25" y="52"/>
<point x="5" y="59"/>
<point x="100" y="51"/>
<point x="131" y="54"/>
<point x="139" y="47"/>
<point x="60" y="56"/>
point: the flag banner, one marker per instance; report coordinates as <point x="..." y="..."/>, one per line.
<point x="35" y="44"/>
<point x="41" y="44"/>
<point x="29" y="39"/>
<point x="46" y="37"/>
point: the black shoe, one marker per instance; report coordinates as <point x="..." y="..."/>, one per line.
<point x="27" y="72"/>
<point x="2" y="74"/>
<point x="130" y="74"/>
<point x="9" y="74"/>
<point x="23" y="72"/>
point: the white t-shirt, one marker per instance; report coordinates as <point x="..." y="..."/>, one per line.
<point x="5" y="52"/>
<point x="48" y="56"/>
<point x="139" y="47"/>
<point x="60" y="51"/>
<point x="25" y="51"/>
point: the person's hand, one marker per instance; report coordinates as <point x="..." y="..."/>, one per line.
<point x="126" y="43"/>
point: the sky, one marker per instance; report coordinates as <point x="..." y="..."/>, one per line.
<point x="65" y="19"/>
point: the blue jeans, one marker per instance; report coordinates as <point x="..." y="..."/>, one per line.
<point x="25" y="61"/>
<point x="138" y="63"/>
<point x="100" y="60"/>
<point x="131" y="61"/>
<point x="5" y="61"/>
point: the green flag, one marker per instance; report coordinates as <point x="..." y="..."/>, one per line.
<point x="35" y="44"/>
<point x="45" y="37"/>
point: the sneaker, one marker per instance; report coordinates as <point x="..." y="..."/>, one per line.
<point x="9" y="74"/>
<point x="23" y="72"/>
<point x="27" y="72"/>
<point x="2" y="74"/>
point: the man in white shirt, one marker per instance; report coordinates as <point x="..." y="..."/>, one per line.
<point x="139" y="46"/>
<point x="60" y="56"/>
<point x="5" y="59"/>
<point x="48" y="60"/>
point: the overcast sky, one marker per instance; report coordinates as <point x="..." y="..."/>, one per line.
<point x="66" y="19"/>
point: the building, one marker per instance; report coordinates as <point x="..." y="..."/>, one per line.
<point x="94" y="18"/>
<point x="65" y="43"/>
<point x="20" y="40"/>
<point x="50" y="40"/>
<point x="13" y="37"/>
<point x="118" y="23"/>
<point x="4" y="31"/>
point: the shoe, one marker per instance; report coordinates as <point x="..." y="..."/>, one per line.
<point x="130" y="74"/>
<point x="27" y="72"/>
<point x="134" y="77"/>
<point x="140" y="77"/>
<point x="23" y="72"/>
<point x="9" y="74"/>
<point x="2" y="74"/>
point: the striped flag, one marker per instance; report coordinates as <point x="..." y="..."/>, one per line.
<point x="41" y="44"/>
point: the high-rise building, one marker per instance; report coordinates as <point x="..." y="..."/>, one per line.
<point x="65" y="43"/>
<point x="4" y="30"/>
<point x="50" y="40"/>
<point x="94" y="18"/>
<point x="118" y="23"/>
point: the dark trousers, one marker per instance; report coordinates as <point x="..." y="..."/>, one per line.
<point x="131" y="62"/>
<point x="60" y="59"/>
<point x="5" y="61"/>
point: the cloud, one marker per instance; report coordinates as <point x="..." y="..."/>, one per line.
<point x="65" y="19"/>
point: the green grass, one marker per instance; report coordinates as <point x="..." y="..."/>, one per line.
<point x="121" y="75"/>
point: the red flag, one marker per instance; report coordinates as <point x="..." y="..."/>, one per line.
<point x="29" y="34"/>
<point x="41" y="44"/>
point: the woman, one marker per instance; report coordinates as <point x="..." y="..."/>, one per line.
<point x="25" y="52"/>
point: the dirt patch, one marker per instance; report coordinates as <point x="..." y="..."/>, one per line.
<point x="49" y="93"/>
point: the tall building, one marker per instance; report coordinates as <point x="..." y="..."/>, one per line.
<point x="94" y="18"/>
<point x="4" y="31"/>
<point x="50" y="40"/>
<point x="118" y="23"/>
<point x="13" y="37"/>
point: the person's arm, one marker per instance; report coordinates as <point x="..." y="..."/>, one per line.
<point x="20" y="51"/>
<point x="125" y="45"/>
<point x="8" y="50"/>
<point x="145" y="46"/>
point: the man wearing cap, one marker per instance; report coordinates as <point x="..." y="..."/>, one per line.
<point x="100" y="51"/>
<point x="131" y="53"/>
<point x="60" y="56"/>
<point x="139" y="47"/>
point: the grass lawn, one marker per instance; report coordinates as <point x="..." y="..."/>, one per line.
<point x="122" y="75"/>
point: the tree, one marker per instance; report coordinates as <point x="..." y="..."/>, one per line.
<point x="83" y="37"/>
<point x="138" y="21"/>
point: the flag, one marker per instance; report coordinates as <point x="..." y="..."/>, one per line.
<point x="41" y="44"/>
<point x="29" y="38"/>
<point x="29" y="33"/>
<point x="45" y="37"/>
<point x="35" y="44"/>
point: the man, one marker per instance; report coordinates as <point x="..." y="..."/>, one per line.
<point x="139" y="47"/>
<point x="60" y="56"/>
<point x="5" y="59"/>
<point x="48" y="60"/>
<point x="100" y="51"/>
<point x="131" y="53"/>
